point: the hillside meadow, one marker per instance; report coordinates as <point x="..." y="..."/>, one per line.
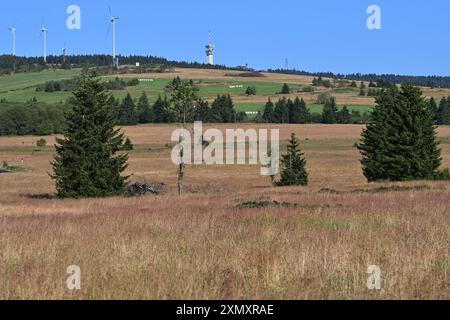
<point x="21" y="87"/>
<point x="232" y="235"/>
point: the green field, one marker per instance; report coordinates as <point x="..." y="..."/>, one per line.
<point x="22" y="87"/>
<point x="21" y="81"/>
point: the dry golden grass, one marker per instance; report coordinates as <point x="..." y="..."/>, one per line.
<point x="224" y="75"/>
<point x="201" y="246"/>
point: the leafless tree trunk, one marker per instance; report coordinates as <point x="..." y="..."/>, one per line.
<point x="181" y="168"/>
<point x="182" y="164"/>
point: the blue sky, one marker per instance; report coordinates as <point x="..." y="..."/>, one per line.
<point x="325" y="35"/>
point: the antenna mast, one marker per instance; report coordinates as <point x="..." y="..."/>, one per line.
<point x="210" y="51"/>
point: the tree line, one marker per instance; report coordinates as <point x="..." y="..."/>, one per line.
<point x="424" y="81"/>
<point x="9" y="63"/>
<point x="129" y="112"/>
<point x="69" y="84"/>
<point x="296" y="111"/>
<point x="32" y="118"/>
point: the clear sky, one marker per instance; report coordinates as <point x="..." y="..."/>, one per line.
<point x="325" y="35"/>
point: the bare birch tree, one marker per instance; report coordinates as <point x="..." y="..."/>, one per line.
<point x="183" y="101"/>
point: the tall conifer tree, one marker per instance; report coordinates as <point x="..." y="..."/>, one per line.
<point x="87" y="162"/>
<point x="145" y="112"/>
<point x="127" y="112"/>
<point x="400" y="141"/>
<point x="293" y="165"/>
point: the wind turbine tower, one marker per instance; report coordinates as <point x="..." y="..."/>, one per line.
<point x="210" y="52"/>
<point x="13" y="32"/>
<point x="44" y="32"/>
<point x="113" y="20"/>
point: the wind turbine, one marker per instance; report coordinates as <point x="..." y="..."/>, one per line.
<point x="13" y="31"/>
<point x="113" y="27"/>
<point x="44" y="32"/>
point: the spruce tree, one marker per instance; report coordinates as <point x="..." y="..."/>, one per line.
<point x="127" y="112"/>
<point x="294" y="110"/>
<point x="400" y="141"/>
<point x="329" y="112"/>
<point x="344" y="116"/>
<point x="293" y="165"/>
<point x="304" y="114"/>
<point x="285" y="89"/>
<point x="161" y="111"/>
<point x="114" y="104"/>
<point x="298" y="112"/>
<point x="202" y="111"/>
<point x="443" y="113"/>
<point x="145" y="112"/>
<point x="127" y="145"/>
<point x="433" y="107"/>
<point x="281" y="111"/>
<point x="87" y="162"/>
<point x="268" y="114"/>
<point x="222" y="109"/>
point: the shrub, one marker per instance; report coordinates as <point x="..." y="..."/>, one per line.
<point x="323" y="98"/>
<point x="127" y="145"/>
<point x="251" y="91"/>
<point x="285" y="89"/>
<point x="41" y="143"/>
<point x="308" y="89"/>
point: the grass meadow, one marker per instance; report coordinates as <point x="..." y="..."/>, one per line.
<point x="312" y="242"/>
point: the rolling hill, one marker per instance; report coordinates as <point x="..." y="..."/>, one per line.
<point x="21" y="87"/>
